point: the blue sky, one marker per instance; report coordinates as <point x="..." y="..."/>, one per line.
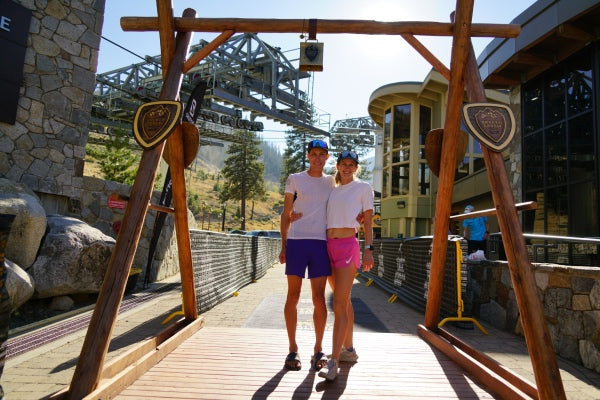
<point x="354" y="65"/>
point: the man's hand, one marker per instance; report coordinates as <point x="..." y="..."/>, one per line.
<point x="295" y="216"/>
<point x="360" y="217"/>
<point x="282" y="256"/>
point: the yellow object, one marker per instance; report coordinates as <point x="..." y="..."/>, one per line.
<point x="393" y="298"/>
<point x="459" y="301"/>
<point x="174" y="314"/>
<point x="369" y="282"/>
<point x="235" y="294"/>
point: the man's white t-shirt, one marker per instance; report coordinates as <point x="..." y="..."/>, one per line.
<point x="346" y="202"/>
<point x="312" y="194"/>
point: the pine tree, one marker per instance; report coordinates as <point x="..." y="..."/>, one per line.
<point x="116" y="159"/>
<point x="243" y="173"/>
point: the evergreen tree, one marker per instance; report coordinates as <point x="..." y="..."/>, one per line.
<point x="243" y="173"/>
<point x="116" y="159"/>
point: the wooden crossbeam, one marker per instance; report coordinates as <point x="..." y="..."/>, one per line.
<point x="164" y="209"/>
<point x="324" y="26"/>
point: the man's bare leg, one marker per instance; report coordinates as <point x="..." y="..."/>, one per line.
<point x="290" y="313"/>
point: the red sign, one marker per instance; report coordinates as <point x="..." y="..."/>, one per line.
<point x="114" y="201"/>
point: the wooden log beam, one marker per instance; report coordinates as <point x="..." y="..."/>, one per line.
<point x="166" y="29"/>
<point x="182" y="230"/>
<point x="89" y="365"/>
<point x="456" y="91"/>
<point x="496" y="383"/>
<point x="324" y="26"/>
<point x="528" y="205"/>
<point x="535" y="328"/>
<point x="494" y="366"/>
<point x="206" y="50"/>
<point x="427" y="55"/>
<point x="161" y="208"/>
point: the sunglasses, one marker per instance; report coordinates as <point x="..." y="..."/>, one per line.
<point x="319" y="144"/>
<point x="347" y="154"/>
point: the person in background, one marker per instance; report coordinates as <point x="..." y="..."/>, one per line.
<point x="349" y="198"/>
<point x="476" y="231"/>
<point x="304" y="248"/>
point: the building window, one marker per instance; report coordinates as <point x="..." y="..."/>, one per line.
<point x="387" y="130"/>
<point x="424" y="128"/>
<point x="560" y="149"/>
<point x="402" y="126"/>
<point x="400" y="152"/>
<point x="473" y="159"/>
<point x="424" y="179"/>
<point x="400" y="179"/>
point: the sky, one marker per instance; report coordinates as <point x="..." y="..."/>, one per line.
<point x="354" y="66"/>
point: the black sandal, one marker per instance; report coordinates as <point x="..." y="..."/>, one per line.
<point x="318" y="361"/>
<point x="292" y="362"/>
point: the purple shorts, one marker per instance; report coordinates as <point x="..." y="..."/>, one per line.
<point x="343" y="252"/>
<point x="303" y="254"/>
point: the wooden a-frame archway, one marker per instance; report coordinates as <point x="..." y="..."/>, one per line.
<point x="462" y="72"/>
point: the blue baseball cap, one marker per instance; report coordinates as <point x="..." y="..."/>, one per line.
<point x="318" y="144"/>
<point x="349" y="154"/>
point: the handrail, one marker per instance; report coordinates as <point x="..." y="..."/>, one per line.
<point x="573" y="239"/>
<point x="528" y="205"/>
<point x="551" y="248"/>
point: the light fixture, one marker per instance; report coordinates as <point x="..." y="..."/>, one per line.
<point x="401" y="204"/>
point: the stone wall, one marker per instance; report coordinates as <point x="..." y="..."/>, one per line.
<point x="45" y="148"/>
<point x="571" y="300"/>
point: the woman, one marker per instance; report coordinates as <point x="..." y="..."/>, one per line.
<point x="348" y="198"/>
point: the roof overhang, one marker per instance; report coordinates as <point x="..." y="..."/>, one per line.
<point x="551" y="31"/>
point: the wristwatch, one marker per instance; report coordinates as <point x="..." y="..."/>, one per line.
<point x="369" y="247"/>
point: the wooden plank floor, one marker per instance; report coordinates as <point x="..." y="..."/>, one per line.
<point x="247" y="363"/>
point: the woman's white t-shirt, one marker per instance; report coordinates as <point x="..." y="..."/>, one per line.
<point x="312" y="194"/>
<point x="346" y="202"/>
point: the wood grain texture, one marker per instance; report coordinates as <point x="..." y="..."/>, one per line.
<point x="231" y="363"/>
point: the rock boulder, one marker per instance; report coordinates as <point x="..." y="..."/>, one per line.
<point x="29" y="225"/>
<point x="73" y="258"/>
<point x="18" y="283"/>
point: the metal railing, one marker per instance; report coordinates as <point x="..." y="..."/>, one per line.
<point x="225" y="263"/>
<point x="562" y="250"/>
<point x="402" y="269"/>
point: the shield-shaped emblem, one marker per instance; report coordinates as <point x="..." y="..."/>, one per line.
<point x="311" y="56"/>
<point x="492" y="124"/>
<point x="155" y="121"/>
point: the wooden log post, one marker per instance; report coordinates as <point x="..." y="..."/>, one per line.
<point x="182" y="230"/>
<point x="456" y="90"/>
<point x="91" y="360"/>
<point x="541" y="351"/>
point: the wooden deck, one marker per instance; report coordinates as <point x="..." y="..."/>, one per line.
<point x="247" y="363"/>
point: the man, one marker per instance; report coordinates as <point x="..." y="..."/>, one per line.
<point x="476" y="231"/>
<point x="304" y="248"/>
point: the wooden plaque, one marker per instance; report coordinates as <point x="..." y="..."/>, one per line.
<point x="155" y="121"/>
<point x="492" y="124"/>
